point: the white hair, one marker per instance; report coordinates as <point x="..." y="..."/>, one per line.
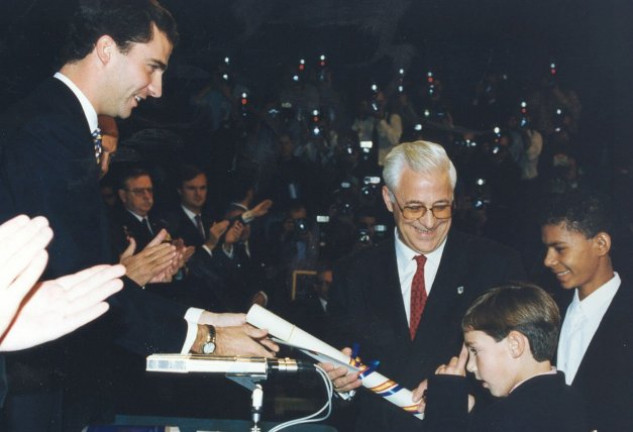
<point x="420" y="156"/>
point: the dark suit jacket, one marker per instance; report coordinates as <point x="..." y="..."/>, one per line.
<point x="180" y="226"/>
<point x="47" y="167"/>
<point x="125" y="224"/>
<point x="366" y="306"/>
<point x="605" y="375"/>
<point x="543" y="403"/>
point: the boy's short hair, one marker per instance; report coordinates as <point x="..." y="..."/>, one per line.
<point x="586" y="212"/>
<point x="525" y="308"/>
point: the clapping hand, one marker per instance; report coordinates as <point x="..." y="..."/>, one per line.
<point x="22" y="260"/>
<point x="58" y="307"/>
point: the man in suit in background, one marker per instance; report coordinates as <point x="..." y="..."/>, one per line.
<point x="136" y="192"/>
<point x="403" y="300"/>
<point x="595" y="350"/>
<point x="190" y="220"/>
<point x="113" y="59"/>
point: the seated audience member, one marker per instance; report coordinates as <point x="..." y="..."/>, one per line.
<point x="136" y="192"/>
<point x="510" y="336"/>
<point x="134" y="228"/>
<point x="190" y="221"/>
<point x="595" y="350"/>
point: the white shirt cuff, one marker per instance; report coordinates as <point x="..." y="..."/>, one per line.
<point x="205" y="247"/>
<point x="192" y="317"/>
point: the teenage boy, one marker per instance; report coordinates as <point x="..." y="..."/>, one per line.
<point x="510" y="336"/>
<point x="596" y="343"/>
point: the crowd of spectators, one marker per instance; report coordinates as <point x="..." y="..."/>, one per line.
<point x="316" y="152"/>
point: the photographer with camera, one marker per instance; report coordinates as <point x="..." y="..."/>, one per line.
<point x="388" y="125"/>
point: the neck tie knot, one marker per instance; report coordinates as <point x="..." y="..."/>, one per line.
<point x="96" y="139"/>
<point x="420" y="259"/>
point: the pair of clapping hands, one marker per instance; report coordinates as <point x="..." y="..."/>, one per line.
<point x="33" y="312"/>
<point x="158" y="262"/>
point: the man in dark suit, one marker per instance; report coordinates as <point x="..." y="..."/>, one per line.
<point x="595" y="349"/>
<point x="136" y="192"/>
<point x="189" y="221"/>
<point x="113" y="59"/>
<point x="405" y="317"/>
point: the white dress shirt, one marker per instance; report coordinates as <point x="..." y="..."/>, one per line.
<point x="407" y="267"/>
<point x="580" y="324"/>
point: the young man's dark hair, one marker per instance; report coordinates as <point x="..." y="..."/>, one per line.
<point x="126" y="21"/>
<point x="525" y="308"/>
<point x="187" y="173"/>
<point x="583" y="211"/>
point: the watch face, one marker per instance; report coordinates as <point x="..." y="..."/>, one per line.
<point x="208" y="348"/>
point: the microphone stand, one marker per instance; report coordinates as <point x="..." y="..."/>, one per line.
<point x="258" y="401"/>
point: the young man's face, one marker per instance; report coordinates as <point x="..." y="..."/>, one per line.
<point x="573" y="258"/>
<point x="193" y="193"/>
<point x="136" y="74"/>
<point x="491" y="362"/>
<point x="427" y="233"/>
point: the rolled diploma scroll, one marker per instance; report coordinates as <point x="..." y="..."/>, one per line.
<point x="292" y="335"/>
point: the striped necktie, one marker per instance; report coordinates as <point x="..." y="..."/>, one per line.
<point x="96" y="139"/>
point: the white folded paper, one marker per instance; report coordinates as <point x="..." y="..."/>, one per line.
<point x="292" y="335"/>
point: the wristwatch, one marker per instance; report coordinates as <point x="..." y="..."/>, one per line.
<point x="208" y="347"/>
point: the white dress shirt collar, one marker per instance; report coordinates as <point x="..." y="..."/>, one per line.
<point x="405" y="255"/>
<point x="581" y="322"/>
<point x="407" y="267"/>
<point x="139" y="218"/>
<point x="190" y="214"/>
<point x="89" y="111"/>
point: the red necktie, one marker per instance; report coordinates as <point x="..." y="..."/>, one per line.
<point x="418" y="296"/>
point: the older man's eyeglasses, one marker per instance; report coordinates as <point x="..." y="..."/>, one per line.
<point x="415" y="212"/>
<point x="141" y="191"/>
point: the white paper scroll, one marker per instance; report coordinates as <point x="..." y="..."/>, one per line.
<point x="292" y="335"/>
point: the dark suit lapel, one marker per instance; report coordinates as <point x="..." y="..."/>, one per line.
<point x="384" y="292"/>
<point x="66" y="100"/>
<point x="609" y="336"/>
<point x="450" y="281"/>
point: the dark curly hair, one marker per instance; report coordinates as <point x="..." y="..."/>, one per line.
<point x="583" y="211"/>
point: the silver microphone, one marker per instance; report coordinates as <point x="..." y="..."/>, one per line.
<point x="229" y="365"/>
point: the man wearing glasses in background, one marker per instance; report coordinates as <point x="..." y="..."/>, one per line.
<point x="403" y="300"/>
